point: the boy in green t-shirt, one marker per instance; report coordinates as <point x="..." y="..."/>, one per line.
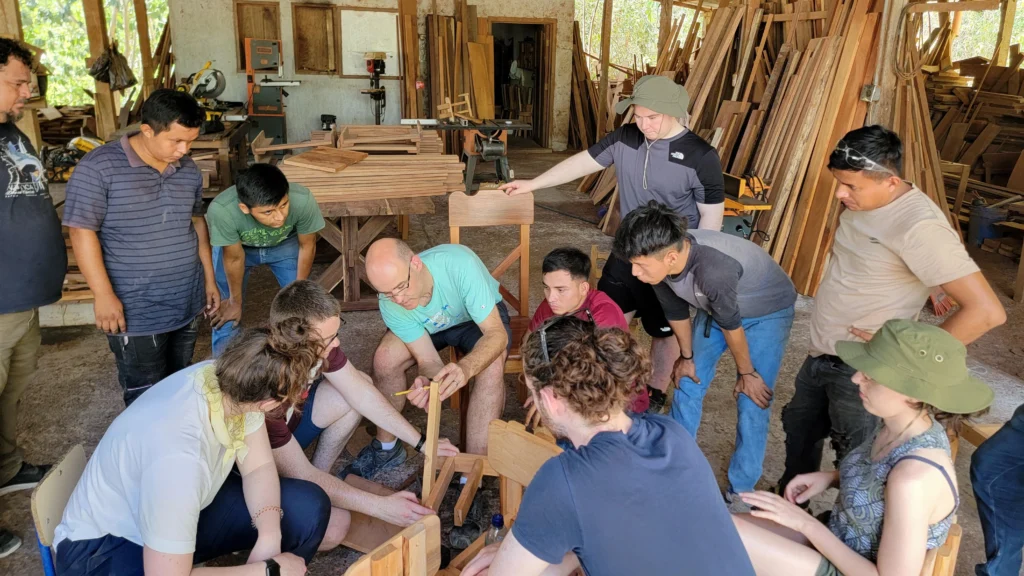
<point x="260" y="220"/>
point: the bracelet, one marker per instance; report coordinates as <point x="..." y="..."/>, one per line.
<point x="419" y="445"/>
<point x="747" y="374"/>
<point x="266" y="509"/>
<point x="690" y="357"/>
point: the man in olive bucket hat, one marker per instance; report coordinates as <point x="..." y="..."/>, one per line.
<point x="655" y="158"/>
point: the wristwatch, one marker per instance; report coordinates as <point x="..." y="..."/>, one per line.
<point x="273" y="569"/>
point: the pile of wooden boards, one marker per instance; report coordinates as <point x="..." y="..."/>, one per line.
<point x="396" y="139"/>
<point x="59" y="125"/>
<point x="583" y="103"/>
<point x="414" y="175"/>
<point x="773" y="89"/>
<point x="461" y="58"/>
<point x="75" y="286"/>
<point x="412" y="99"/>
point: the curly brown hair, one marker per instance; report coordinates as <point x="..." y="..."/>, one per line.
<point x="270" y="363"/>
<point x="595" y="369"/>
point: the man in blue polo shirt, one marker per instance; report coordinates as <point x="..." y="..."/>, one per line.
<point x="135" y="211"/>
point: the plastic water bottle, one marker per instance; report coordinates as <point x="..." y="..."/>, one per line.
<point x="497" y="531"/>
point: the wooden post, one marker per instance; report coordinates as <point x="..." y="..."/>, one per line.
<point x="1007" y="13"/>
<point x="602" y="92"/>
<point x="10" y="19"/>
<point x="880" y="112"/>
<point x="96" y="27"/>
<point x="142" y="23"/>
<point x="664" y="25"/>
<point x="430" y="446"/>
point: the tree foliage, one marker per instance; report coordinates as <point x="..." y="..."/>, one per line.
<point x="58" y="27"/>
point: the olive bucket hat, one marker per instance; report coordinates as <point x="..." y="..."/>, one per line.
<point x="659" y="94"/>
<point x="921" y="361"/>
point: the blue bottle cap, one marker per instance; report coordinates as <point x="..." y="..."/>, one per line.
<point x="498" y="521"/>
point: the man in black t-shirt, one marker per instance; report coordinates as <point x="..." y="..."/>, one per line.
<point x="656" y="158"/>
<point x="34" y="261"/>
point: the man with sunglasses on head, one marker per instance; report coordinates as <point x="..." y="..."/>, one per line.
<point x="441" y="297"/>
<point x="656" y="158"/>
<point x="892" y="247"/>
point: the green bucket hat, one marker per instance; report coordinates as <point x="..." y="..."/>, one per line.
<point x="659" y="94"/>
<point x="921" y="361"/>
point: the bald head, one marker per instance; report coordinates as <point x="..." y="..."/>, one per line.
<point x="389" y="264"/>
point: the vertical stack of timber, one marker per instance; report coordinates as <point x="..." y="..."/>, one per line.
<point x="773" y="87"/>
<point x="461" y="58"/>
<point x="583" y="103"/>
<point x="407" y="21"/>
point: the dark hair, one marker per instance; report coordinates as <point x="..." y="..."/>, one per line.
<point x="14" y="49"/>
<point x="275" y="363"/>
<point x="595" y="369"/>
<point x="261" y="185"/>
<point x="304" y="299"/>
<point x="649" y="230"/>
<point x="571" y="260"/>
<point x="165" y="107"/>
<point x="876" y="143"/>
<point x="953" y="423"/>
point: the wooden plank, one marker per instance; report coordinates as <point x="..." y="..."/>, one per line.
<point x="96" y="28"/>
<point x="954" y="141"/>
<point x="515" y="453"/>
<point x="444" y="478"/>
<point x="1007" y="15"/>
<point x="10" y="19"/>
<point x="1016" y="180"/>
<point x="483" y="81"/>
<point x="491" y="206"/>
<point x="602" y="93"/>
<point x="981" y="143"/>
<point x="415" y="549"/>
<point x="468" y="492"/>
<point x="145" y="50"/>
<point x="433" y="436"/>
<point x="326" y="159"/>
<point x="365" y="532"/>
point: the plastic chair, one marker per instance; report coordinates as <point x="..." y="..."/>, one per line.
<point x="50" y="498"/>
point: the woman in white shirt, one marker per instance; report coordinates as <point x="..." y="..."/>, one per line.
<point x="160" y="494"/>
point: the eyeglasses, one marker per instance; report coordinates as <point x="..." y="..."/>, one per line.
<point x="549" y="323"/>
<point x="851" y="155"/>
<point x="398" y="289"/>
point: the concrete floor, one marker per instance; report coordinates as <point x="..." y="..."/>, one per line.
<point x="76" y="395"/>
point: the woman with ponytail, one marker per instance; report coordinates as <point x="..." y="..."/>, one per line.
<point x="185" y="474"/>
<point x="580" y="508"/>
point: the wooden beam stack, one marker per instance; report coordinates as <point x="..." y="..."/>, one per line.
<point x="583" y="103"/>
<point x="390" y="139"/>
<point x="415" y="175"/>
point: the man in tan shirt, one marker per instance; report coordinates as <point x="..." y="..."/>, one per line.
<point x="893" y="245"/>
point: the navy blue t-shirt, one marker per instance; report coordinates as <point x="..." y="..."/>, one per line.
<point x="645" y="502"/>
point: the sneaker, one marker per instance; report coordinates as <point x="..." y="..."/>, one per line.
<point x="657" y="400"/>
<point x="461" y="537"/>
<point x="8" y="543"/>
<point x="28" y="477"/>
<point x="736" y="504"/>
<point x="374" y="458"/>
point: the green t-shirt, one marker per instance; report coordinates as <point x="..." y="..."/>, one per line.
<point x="463" y="291"/>
<point x="229" y="225"/>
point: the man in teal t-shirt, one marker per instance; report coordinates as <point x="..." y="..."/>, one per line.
<point x="262" y="219"/>
<point x="442" y="297"/>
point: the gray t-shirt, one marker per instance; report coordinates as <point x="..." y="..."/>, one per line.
<point x="679" y="172"/>
<point x="728" y="277"/>
<point x="596" y="501"/>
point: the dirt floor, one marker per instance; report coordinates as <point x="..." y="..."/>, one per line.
<point x="76" y="395"/>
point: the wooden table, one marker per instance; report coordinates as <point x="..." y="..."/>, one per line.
<point x="350" y="239"/>
<point x="232" y="148"/>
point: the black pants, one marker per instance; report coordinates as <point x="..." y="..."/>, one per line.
<point x="826" y="404"/>
<point x="224" y="527"/>
<point x="142" y="361"/>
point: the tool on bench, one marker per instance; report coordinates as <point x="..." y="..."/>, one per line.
<point x="487" y="141"/>
<point x="744" y="198"/>
<point x="205" y="85"/>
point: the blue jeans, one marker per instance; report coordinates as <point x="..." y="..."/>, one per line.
<point x="283" y="260"/>
<point x="223" y="527"/>
<point x="766" y="339"/>
<point x="997" y="473"/>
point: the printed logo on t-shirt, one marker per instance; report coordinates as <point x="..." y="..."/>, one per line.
<point x="440" y="320"/>
<point x="263" y="237"/>
<point x="25" y="173"/>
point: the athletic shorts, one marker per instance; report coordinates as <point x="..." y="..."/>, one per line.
<point x="632" y="295"/>
<point x="463" y="337"/>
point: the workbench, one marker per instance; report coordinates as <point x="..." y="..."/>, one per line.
<point x="232" y="148"/>
<point x="344" y="231"/>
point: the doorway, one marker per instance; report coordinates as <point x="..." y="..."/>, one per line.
<point x="523" y="82"/>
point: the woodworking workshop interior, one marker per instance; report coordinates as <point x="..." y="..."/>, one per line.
<point x="511" y="288"/>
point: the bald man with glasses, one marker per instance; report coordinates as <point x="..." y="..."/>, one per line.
<point x="441" y="297"/>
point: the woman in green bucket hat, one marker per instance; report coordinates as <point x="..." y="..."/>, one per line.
<point x="914" y="377"/>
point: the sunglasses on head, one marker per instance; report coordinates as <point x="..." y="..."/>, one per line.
<point x="855" y="158"/>
<point x="546" y="325"/>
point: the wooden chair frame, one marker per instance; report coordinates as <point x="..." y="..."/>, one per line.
<point x="415" y="551"/>
<point x="495" y="208"/>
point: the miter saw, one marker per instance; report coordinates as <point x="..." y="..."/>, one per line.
<point x="205" y="85"/>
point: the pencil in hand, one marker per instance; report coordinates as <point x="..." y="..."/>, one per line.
<point x="404" y="392"/>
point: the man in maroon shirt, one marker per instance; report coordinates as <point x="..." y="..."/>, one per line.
<point x="330" y="412"/>
<point x="567" y="291"/>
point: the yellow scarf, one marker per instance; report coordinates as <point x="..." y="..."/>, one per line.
<point x="230" y="432"/>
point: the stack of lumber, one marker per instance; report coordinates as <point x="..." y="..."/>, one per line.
<point x="75" y="287"/>
<point x="394" y="139"/>
<point x="773" y="89"/>
<point x="583" y="104"/>
<point x="461" y="59"/>
<point x="71" y="122"/>
<point x="410" y="46"/>
<point x="370" y="179"/>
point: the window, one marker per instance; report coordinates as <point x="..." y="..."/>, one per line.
<point x="314" y="30"/>
<point x="256" y="20"/>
